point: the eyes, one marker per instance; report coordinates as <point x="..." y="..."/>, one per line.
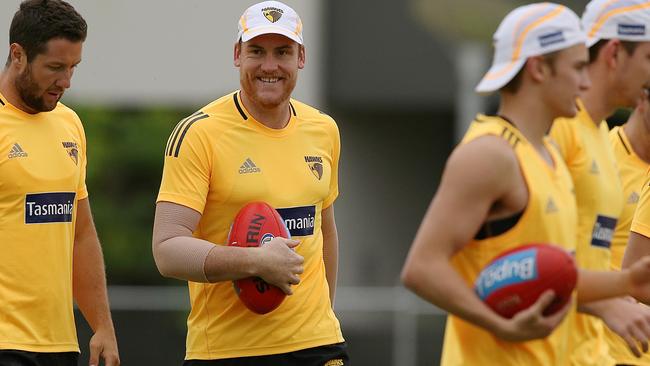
<point x="59" y="67"/>
<point x="55" y="68"/>
<point x="581" y="66"/>
<point x="278" y="52"/>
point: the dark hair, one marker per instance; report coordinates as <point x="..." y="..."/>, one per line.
<point x="594" y="50"/>
<point x="515" y="83"/>
<point x="39" y="21"/>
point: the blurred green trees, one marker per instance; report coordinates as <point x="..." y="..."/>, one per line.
<point x="125" y="159"/>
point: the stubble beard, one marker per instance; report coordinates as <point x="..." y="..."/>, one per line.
<point x="28" y="91"/>
<point x="265" y="101"/>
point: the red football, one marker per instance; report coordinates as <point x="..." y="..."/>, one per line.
<point x="515" y="279"/>
<point x="255" y="225"/>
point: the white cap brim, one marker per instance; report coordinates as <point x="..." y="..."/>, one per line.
<point x="252" y="33"/>
<point x="592" y="41"/>
<point x="498" y="76"/>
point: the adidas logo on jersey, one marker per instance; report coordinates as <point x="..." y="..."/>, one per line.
<point x="633" y="199"/>
<point x="550" y="206"/>
<point x="594" y="168"/>
<point x="249" y="167"/>
<point x="17" y="152"/>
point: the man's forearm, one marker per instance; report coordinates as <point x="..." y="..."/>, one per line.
<point x="89" y="284"/>
<point x="600" y="285"/>
<point x="88" y="273"/>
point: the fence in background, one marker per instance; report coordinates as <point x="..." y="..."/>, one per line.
<point x="351" y="303"/>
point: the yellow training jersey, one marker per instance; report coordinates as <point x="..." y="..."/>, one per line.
<point x="632" y="172"/>
<point x="549" y="217"/>
<point x="221" y="158"/>
<point x="588" y="154"/>
<point x="641" y="220"/>
<point x="42" y="176"/>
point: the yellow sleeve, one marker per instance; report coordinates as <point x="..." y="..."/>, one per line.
<point x="188" y="163"/>
<point x="334" y="180"/>
<point x="563" y="135"/>
<point x="82" y="190"/>
<point x="641" y="220"/>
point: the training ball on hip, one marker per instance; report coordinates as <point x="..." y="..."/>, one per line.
<point x="255" y="225"/>
<point x="515" y="279"/>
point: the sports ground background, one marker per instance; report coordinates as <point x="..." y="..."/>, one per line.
<point x="396" y="75"/>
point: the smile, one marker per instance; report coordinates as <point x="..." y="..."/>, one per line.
<point x="268" y="80"/>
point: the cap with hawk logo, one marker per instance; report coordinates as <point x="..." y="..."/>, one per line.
<point x="270" y="17"/>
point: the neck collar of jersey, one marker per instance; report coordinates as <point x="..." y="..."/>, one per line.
<point x="259" y="126"/>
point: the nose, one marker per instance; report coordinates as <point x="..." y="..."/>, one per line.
<point x="65" y="80"/>
<point x="269" y="64"/>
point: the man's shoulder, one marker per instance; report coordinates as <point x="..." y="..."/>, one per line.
<point x="218" y="114"/>
<point x="226" y="104"/>
<point x="310" y="115"/>
<point x="307" y="112"/>
<point x="485" y="164"/>
<point x="65" y="113"/>
<point x="619" y="142"/>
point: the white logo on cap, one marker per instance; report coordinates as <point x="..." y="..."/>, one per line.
<point x="272" y="14"/>
<point x="631" y="29"/>
<point x="548" y="39"/>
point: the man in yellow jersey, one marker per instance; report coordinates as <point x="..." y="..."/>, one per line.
<point x="619" y="68"/>
<point x="256" y="144"/>
<point x="50" y="249"/>
<point x="631" y="144"/>
<point x="505" y="186"/>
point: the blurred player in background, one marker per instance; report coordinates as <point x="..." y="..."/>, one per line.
<point x="504" y="186"/>
<point x="631" y="144"/>
<point x="50" y="249"/>
<point x="619" y="69"/>
<point x="256" y="144"/>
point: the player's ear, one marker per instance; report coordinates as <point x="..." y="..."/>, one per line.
<point x="536" y="67"/>
<point x="237" y="53"/>
<point x="18" y="55"/>
<point x="612" y="51"/>
<point x="301" y="56"/>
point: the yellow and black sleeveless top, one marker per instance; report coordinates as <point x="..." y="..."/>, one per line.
<point x="588" y="154"/>
<point x="632" y="172"/>
<point x="549" y="217"/>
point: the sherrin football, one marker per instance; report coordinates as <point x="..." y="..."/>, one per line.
<point x="515" y="279"/>
<point x="255" y="225"/>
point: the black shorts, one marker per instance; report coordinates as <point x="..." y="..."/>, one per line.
<point x="24" y="358"/>
<point x="331" y="355"/>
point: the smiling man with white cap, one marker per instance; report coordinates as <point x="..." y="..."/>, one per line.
<point x="619" y="69"/>
<point x="255" y="144"/>
<point x="505" y="186"/>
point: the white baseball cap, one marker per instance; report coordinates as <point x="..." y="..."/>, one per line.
<point x="529" y="30"/>
<point x="270" y="17"/>
<point x="627" y="20"/>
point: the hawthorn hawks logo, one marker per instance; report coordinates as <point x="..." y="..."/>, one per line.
<point x="272" y="14"/>
<point x="315" y="164"/>
<point x="73" y="150"/>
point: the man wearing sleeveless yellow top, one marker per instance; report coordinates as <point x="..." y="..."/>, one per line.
<point x="50" y="250"/>
<point x="505" y="186"/>
<point x="631" y="144"/>
<point x="256" y="144"/>
<point x="619" y="69"/>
